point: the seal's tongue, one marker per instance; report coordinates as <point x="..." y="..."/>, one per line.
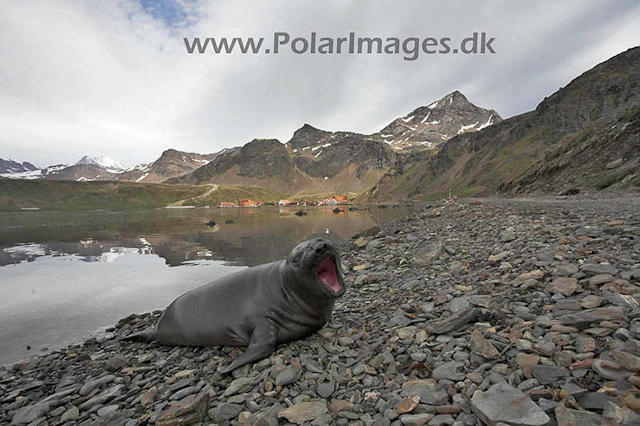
<point x="326" y="272"/>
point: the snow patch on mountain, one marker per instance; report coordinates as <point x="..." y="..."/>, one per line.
<point x="487" y="124"/>
<point x="32" y="174"/>
<point x="139" y="167"/>
<point x="465" y="128"/>
<point x="55" y="169"/>
<point x="104" y="162"/>
<point x="142" y="177"/>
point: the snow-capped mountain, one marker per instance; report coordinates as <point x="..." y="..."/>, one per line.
<point x="432" y="125"/>
<point x="11" y="167"/>
<point x="312" y="158"/>
<point x="171" y="164"/>
<point x="344" y="161"/>
<point x="102" y="161"/>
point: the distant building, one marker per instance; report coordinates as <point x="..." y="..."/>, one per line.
<point x="341" y="198"/>
<point x="259" y="203"/>
<point x="284" y="203"/>
<point x="329" y="201"/>
<point x="227" y="204"/>
<point x="246" y="203"/>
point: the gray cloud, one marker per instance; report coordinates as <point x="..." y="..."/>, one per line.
<point x="113" y="78"/>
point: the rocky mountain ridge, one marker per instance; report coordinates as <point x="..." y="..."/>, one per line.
<point x="431" y="126"/>
<point x="313" y="160"/>
<point x="10" y="166"/>
<point x="319" y="160"/>
<point x="584" y="137"/>
<point x="170" y="164"/>
<point x="340" y="161"/>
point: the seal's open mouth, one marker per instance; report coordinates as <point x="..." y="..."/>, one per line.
<point x="328" y="274"/>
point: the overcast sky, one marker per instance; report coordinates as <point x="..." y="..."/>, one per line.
<point x="114" y="77"/>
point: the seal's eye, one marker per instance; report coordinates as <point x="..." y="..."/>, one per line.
<point x="296" y="259"/>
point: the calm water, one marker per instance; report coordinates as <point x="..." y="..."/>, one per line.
<point x="66" y="276"/>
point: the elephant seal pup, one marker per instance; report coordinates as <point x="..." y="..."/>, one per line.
<point x="257" y="307"/>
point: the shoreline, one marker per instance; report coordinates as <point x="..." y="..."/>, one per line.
<point x="532" y="298"/>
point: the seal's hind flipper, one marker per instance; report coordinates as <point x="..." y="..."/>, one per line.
<point x="263" y="343"/>
<point x="143" y="336"/>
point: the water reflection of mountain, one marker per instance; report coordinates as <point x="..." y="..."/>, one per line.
<point x="93" y="251"/>
<point x="256" y="235"/>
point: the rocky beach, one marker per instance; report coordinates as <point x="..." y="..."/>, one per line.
<point x="521" y="312"/>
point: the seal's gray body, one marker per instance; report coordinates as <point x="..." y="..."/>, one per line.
<point x="257" y="307"/>
<point x="226" y="311"/>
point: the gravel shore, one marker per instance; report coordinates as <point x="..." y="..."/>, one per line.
<point x="520" y="312"/>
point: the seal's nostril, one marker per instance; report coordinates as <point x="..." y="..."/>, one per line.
<point x="318" y="251"/>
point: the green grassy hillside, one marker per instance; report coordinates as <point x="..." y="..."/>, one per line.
<point x="72" y="196"/>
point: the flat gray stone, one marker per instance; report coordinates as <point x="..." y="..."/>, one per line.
<point x="563" y="285"/>
<point x="459" y="304"/>
<point x="30" y="413"/>
<point x="288" y="376"/>
<point x="594" y="400"/>
<point x="589" y="316"/>
<point x="71" y="414"/>
<point x="227" y="411"/>
<point x="568" y="417"/>
<point x="103" y="397"/>
<point x="600" y="279"/>
<point x="565" y="270"/>
<point x="597" y="269"/>
<point x="503" y="403"/>
<point x="108" y="411"/>
<point x="237" y="385"/>
<point x="450" y="371"/>
<point x="428" y="395"/>
<point x="326" y="389"/>
<point x="441" y="420"/>
<point x="548" y="374"/>
<point x="115" y="363"/>
<point x="609" y="374"/>
<point x="304" y="412"/>
<point x="90" y="385"/>
<point x="415" y="419"/>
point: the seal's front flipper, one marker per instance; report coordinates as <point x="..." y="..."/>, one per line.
<point x="262" y="344"/>
<point x="144" y="336"/>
